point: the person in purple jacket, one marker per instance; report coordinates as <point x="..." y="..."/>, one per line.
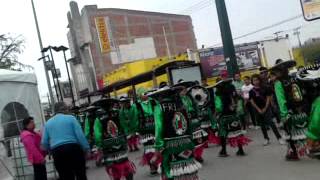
<point x="36" y="156"/>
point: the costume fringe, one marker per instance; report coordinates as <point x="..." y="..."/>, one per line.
<point x="121" y="170"/>
<point x="133" y="141"/>
<point x="239" y="141"/>
<point x="198" y="151"/>
<point x="213" y="138"/>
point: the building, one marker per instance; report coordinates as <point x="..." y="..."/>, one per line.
<point x="102" y="39"/>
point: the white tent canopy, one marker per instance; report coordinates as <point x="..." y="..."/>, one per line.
<point x="19" y="98"/>
<point x="17" y="76"/>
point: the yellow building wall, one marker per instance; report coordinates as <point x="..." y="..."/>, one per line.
<point x="135" y="68"/>
<point x="298" y="57"/>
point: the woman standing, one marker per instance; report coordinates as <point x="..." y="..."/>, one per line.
<point x="31" y="141"/>
<point x="260" y="98"/>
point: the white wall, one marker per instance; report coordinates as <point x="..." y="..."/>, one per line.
<point x="142" y="48"/>
<point x="274" y="50"/>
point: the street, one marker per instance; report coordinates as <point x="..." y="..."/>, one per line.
<point x="261" y="163"/>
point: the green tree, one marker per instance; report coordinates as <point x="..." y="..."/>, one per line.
<point x="10" y="48"/>
<point x="311" y="52"/>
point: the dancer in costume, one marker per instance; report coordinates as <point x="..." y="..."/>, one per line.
<point x="143" y="111"/>
<point x="110" y="137"/>
<point x="174" y="142"/>
<point x="310" y="77"/>
<point x="213" y="131"/>
<point x="199" y="136"/>
<point x="293" y="108"/>
<point x="230" y="130"/>
<point x="90" y="118"/>
<point x="129" y="124"/>
<point x="202" y="131"/>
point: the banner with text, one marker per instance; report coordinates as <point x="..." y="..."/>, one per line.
<point x="102" y="30"/>
<point x="212" y="60"/>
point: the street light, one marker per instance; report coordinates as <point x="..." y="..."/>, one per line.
<point x="49" y="66"/>
<point x="54" y="70"/>
<point x="64" y="49"/>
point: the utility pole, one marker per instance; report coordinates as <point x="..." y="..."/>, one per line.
<point x="167" y="44"/>
<point x="56" y="74"/>
<point x="41" y="47"/>
<point x="227" y="40"/>
<point x="71" y="89"/>
<point x="296" y="31"/>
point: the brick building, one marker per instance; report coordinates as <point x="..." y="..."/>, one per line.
<point x="100" y="40"/>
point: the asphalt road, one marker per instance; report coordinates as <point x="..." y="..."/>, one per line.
<point x="261" y="163"/>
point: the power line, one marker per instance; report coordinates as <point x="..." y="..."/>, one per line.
<point x="265" y="28"/>
<point x="196" y="7"/>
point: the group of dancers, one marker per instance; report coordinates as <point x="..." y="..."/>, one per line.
<point x="175" y="124"/>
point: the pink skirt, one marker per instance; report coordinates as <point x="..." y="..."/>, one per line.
<point x="121" y="170"/>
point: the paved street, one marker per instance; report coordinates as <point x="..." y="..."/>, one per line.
<point x="261" y="163"/>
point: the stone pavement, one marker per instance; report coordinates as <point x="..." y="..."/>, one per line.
<point x="261" y="163"/>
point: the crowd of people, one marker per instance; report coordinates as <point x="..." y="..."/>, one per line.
<point x="175" y="125"/>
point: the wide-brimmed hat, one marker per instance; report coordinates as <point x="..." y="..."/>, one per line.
<point x="185" y="84"/>
<point x="89" y="109"/>
<point x="281" y="64"/>
<point x="105" y="102"/>
<point x="123" y="99"/>
<point x="165" y="91"/>
<point x="309" y="73"/>
<point x="200" y="95"/>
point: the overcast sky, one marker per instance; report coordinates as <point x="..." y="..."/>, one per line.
<point x="245" y="16"/>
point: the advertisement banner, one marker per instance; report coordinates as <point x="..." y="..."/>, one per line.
<point x="212" y="60"/>
<point x="101" y="25"/>
<point x="311" y="9"/>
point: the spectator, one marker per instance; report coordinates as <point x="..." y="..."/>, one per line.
<point x="260" y="98"/>
<point x="264" y="76"/>
<point x="246" y="88"/>
<point x="31" y="141"/>
<point x="224" y="74"/>
<point x="237" y="82"/>
<point x="64" y="138"/>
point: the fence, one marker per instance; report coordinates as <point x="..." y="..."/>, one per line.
<point x="16" y="163"/>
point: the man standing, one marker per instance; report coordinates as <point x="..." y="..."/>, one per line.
<point x="64" y="138"/>
<point x="237" y="83"/>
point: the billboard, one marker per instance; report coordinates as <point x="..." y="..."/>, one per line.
<point x="102" y="30"/>
<point x="311" y="9"/>
<point x="212" y="60"/>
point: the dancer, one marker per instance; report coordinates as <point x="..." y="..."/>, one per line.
<point x="199" y="135"/>
<point x="111" y="139"/>
<point x="310" y="77"/>
<point x="293" y="108"/>
<point x="129" y="124"/>
<point x="173" y="137"/>
<point x="229" y="124"/>
<point x="143" y="111"/>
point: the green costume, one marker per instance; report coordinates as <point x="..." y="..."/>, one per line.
<point x="111" y="139"/>
<point x="294" y="117"/>
<point x="174" y="140"/>
<point x="314" y="127"/>
<point x="128" y="121"/>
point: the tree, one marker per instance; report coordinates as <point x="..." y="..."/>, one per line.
<point x="311" y="52"/>
<point x="10" y="48"/>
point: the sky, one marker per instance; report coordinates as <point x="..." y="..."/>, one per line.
<point x="244" y="15"/>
